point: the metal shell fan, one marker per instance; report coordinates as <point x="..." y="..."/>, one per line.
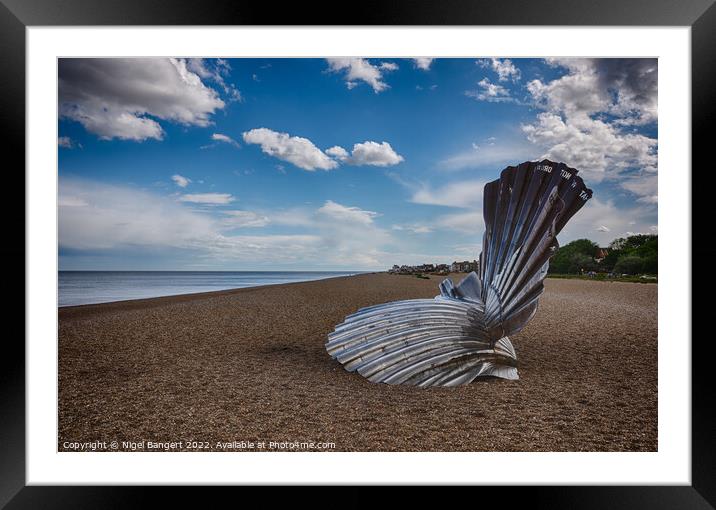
<point x="464" y="332"/>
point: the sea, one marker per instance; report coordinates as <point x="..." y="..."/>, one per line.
<point x="88" y="287"/>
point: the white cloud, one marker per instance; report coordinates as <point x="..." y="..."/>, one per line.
<point x="415" y="228"/>
<point x="490" y="92"/>
<point x="207" y="198"/>
<point x="65" y="142"/>
<point x="216" y="71"/>
<point x="120" y="98"/>
<point x="571" y="129"/>
<point x="508" y="152"/>
<point x="350" y="236"/>
<point x="180" y="180"/>
<point x="359" y="69"/>
<point x="296" y="150"/>
<point x="504" y="68"/>
<point x="423" y="63"/>
<point x="375" y="154"/>
<point x="470" y="222"/>
<point x="304" y="154"/>
<point x="573" y="94"/>
<point x="625" y="87"/>
<point x="338" y="153"/>
<point x="100" y="216"/>
<point x="388" y="66"/>
<point x="595" y="147"/>
<point x="244" y="219"/>
<point x="367" y="153"/>
<point x="466" y="195"/>
<point x="457" y="194"/>
<point x="595" y="214"/>
<point x="345" y="213"/>
<point x="264" y="250"/>
<point x="218" y="137"/>
<point x="643" y="186"/>
<point x="96" y="216"/>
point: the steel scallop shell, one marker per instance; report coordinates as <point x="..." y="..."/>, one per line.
<point x="463" y="333"/>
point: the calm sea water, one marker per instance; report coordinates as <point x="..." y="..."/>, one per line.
<point x="85" y="287"/>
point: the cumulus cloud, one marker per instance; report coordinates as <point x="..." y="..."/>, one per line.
<point x="504" y="68"/>
<point x="575" y="94"/>
<point x="296" y="150"/>
<point x="304" y="154"/>
<point x="585" y="114"/>
<point x="180" y="180"/>
<point x="490" y="92"/>
<point x="207" y="198"/>
<point x="123" y="97"/>
<point x="423" y="63"/>
<point x="376" y="154"/>
<point x="360" y="69"/>
<point x="625" y="87"/>
<point x="591" y="145"/>
<point x="367" y="153"/>
<point x="338" y="153"/>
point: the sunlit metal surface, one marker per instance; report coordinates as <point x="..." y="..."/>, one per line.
<point x="464" y="332"/>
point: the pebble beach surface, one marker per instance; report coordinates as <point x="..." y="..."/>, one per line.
<point x="247" y="370"/>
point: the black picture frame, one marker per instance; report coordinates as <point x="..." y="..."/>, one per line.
<point x="16" y="15"/>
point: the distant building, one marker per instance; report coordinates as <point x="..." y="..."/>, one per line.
<point x="464" y="267"/>
<point x="442" y="269"/>
<point x="422" y="268"/>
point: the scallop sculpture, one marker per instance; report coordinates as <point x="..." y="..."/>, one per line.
<point x="463" y="333"/>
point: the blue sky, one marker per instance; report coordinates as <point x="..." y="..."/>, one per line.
<point x="260" y="164"/>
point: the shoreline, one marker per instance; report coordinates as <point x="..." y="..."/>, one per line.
<point x="208" y="294"/>
<point x="249" y="365"/>
<point x="201" y="294"/>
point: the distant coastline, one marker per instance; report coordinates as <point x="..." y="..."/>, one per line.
<point x="94" y="287"/>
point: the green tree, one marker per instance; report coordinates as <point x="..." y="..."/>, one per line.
<point x="651" y="264"/>
<point x="644" y="246"/>
<point x="629" y="264"/>
<point x="580" y="262"/>
<point x="573" y="257"/>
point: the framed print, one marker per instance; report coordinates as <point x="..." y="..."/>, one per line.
<point x="418" y="249"/>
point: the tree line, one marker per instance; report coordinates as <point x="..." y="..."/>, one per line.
<point x="637" y="254"/>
